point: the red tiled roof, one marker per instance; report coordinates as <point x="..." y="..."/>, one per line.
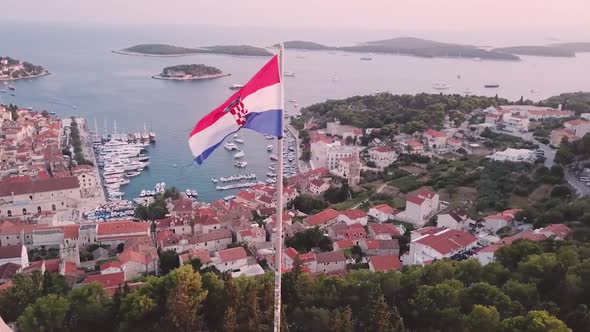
<point x="386" y="229"/>
<point x="559" y="230"/>
<point x="52" y="265"/>
<point x="434" y="133"/>
<point x="524" y="236"/>
<point x="330" y="257"/>
<point x="383" y="149"/>
<point x="414" y="143"/>
<point x="122" y="227"/>
<point x="182" y="205"/>
<point x="426" y="193"/>
<point x="577" y="122"/>
<point x="232" y="254"/>
<point x="317" y="182"/>
<point x="107" y="280"/>
<point x="307" y="257"/>
<point x="71" y="231"/>
<point x="265" y="199"/>
<point x="246" y="195"/>
<point x="212" y="236"/>
<point x="14" y="251"/>
<point x="71" y="268"/>
<point x="8" y="270"/>
<point x="385" y="208"/>
<point x="33" y="266"/>
<point x="113" y="264"/>
<point x="132" y="256"/>
<point x="499" y="216"/>
<point x="291" y="253"/>
<point x="322" y="217"/>
<point x="415" y="199"/>
<point x="51" y="184"/>
<point x="490" y="248"/>
<point x="344" y="244"/>
<point x="354" y="214"/>
<point x="385" y="263"/>
<point x="202" y="255"/>
<point x="448" y="240"/>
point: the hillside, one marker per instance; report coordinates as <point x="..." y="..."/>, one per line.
<point x="409" y="46"/>
<point x="575" y="101"/>
<point x="189" y="72"/>
<point x="12" y="69"/>
<point x="170" y="50"/>
<point x="537" y="50"/>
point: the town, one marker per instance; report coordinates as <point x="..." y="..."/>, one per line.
<point x="376" y="199"/>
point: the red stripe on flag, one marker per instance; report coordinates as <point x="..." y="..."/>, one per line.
<point x="267" y="76"/>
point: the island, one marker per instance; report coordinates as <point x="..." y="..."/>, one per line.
<point x="189" y="72"/>
<point x="552" y="51"/>
<point x="580" y="47"/>
<point x="170" y="50"/>
<point x="12" y="69"/>
<point x="409" y="46"/>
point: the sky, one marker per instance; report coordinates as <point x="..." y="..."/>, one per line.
<point x="543" y="15"/>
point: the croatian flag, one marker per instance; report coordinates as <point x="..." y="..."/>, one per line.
<point x="256" y="106"/>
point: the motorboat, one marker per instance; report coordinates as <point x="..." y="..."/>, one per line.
<point x="230" y="146"/>
<point x="214" y="180"/>
<point x="241" y="164"/>
<point x="239" y="140"/>
<point x="271" y="174"/>
<point x="236" y="86"/>
<point x="188" y="192"/>
<point x="269" y="148"/>
<point x="491" y="85"/>
<point x="267" y="136"/>
<point x="132" y="174"/>
<point x="239" y="154"/>
<point x="292" y="100"/>
<point x="289" y="74"/>
<point x="194" y="193"/>
<point x="143" y="193"/>
<point x="273" y="157"/>
<point x="11" y="87"/>
<point x="366" y="58"/>
<point x="441" y="86"/>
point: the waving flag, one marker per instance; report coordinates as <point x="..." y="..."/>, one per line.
<point x="256" y="106"/>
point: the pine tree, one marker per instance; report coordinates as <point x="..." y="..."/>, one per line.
<point x="253" y="311"/>
<point x="347" y="320"/>
<point x="380" y="314"/>
<point x="336" y="321"/>
<point x="229" y="320"/>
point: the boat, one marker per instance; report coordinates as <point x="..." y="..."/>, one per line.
<point x="239" y="154"/>
<point x="441" y="86"/>
<point x="241" y="164"/>
<point x="366" y="58"/>
<point x="534" y="90"/>
<point x="289" y="74"/>
<point x="292" y="100"/>
<point x="269" y="148"/>
<point x="214" y="180"/>
<point x="296" y="105"/>
<point x="239" y="140"/>
<point x="3" y="91"/>
<point x="236" y="86"/>
<point x="188" y="192"/>
<point x="132" y="174"/>
<point x="194" y="193"/>
<point x="267" y="136"/>
<point x="152" y="136"/>
<point x="477" y="59"/>
<point x="271" y="174"/>
<point x="273" y="157"/>
<point x="235" y="135"/>
<point x="491" y="85"/>
<point x="13" y="95"/>
<point x="11" y="87"/>
<point x="230" y="146"/>
<point x="143" y="193"/>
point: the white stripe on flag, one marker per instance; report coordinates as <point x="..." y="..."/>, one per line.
<point x="213" y="134"/>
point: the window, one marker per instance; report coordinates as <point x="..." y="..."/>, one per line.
<point x="38" y="209"/>
<point x="53" y="207"/>
<point x="31" y="197"/>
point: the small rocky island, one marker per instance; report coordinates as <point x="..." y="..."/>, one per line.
<point x="12" y="69"/>
<point x="190" y="72"/>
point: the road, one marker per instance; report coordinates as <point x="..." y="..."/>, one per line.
<point x="581" y="188"/>
<point x="301" y="165"/>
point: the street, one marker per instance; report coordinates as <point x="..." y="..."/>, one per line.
<point x="581" y="188"/>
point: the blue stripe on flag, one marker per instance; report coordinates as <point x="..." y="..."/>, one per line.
<point x="268" y="122"/>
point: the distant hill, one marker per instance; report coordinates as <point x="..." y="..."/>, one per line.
<point x="574" y="101"/>
<point x="170" y="50"/>
<point x="537" y="50"/>
<point x="409" y="46"/>
<point x="575" y="47"/>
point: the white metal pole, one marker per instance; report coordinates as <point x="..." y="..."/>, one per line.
<point x="279" y="216"/>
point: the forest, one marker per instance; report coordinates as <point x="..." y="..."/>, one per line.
<point x="532" y="286"/>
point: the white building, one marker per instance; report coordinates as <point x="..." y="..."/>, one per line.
<point x="435" y="139"/>
<point x="353" y="216"/>
<point x="382" y="212"/>
<point x="328" y="154"/>
<point x="330" y="262"/>
<point x="420" y="207"/>
<point x="487" y="255"/>
<point x="438" y="245"/>
<point x="580" y="127"/>
<point x="453" y="220"/>
<point x="516" y="123"/>
<point x="382" y="156"/>
<point x="230" y="259"/>
<point x="318" y="186"/>
<point x="513" y="155"/>
<point x="350" y="169"/>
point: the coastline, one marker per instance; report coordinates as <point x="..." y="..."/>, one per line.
<point x="24" y="78"/>
<point x="206" y="77"/>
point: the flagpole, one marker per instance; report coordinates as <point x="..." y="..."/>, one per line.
<point x="279" y="216"/>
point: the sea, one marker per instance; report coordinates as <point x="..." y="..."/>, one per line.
<point x="88" y="80"/>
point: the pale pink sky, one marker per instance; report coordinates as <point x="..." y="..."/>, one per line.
<point x="368" y="14"/>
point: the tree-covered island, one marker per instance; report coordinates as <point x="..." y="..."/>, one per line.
<point x="190" y="72"/>
<point x="12" y="69"/>
<point x="170" y="50"/>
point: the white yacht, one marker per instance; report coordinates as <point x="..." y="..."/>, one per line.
<point x="241" y="164"/>
<point x="441" y="86"/>
<point x="214" y="180"/>
<point x="239" y="154"/>
<point x="230" y="146"/>
<point x="236" y="86"/>
<point x="267" y="136"/>
<point x="289" y="74"/>
<point x="269" y="148"/>
<point x="239" y="140"/>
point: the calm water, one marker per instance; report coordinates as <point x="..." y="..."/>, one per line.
<point x="110" y="87"/>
